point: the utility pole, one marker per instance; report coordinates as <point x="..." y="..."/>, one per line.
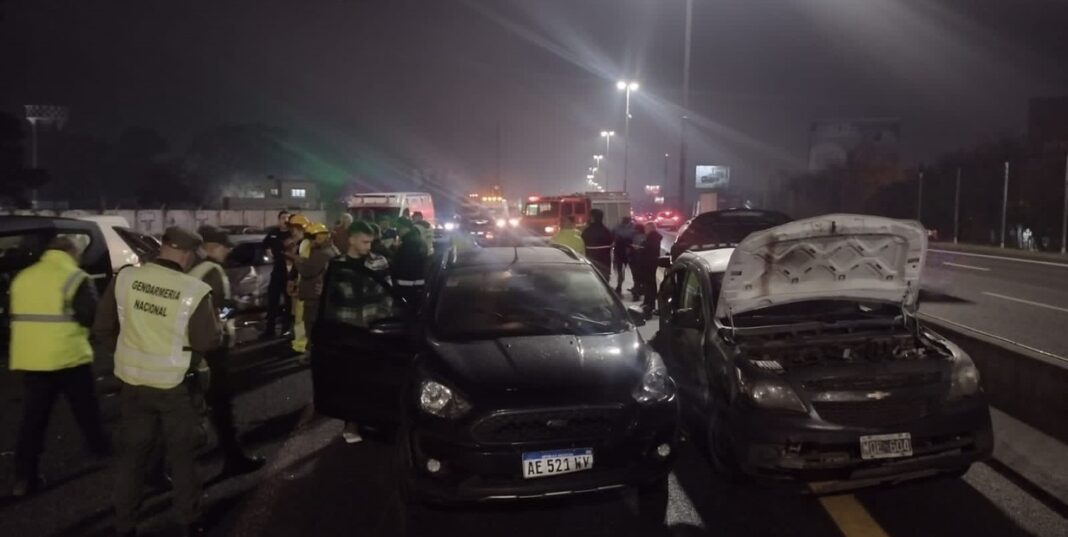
<point x="666" y="169"/>
<point x="685" y="106"/>
<point x="497" y="184"/>
<point x="919" y="200"/>
<point x="1004" y="204"/>
<point x="956" y="210"/>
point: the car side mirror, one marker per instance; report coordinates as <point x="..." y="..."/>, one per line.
<point x="664" y="261"/>
<point x="637" y="316"/>
<point x="687" y="318"/>
<point x="390" y="326"/>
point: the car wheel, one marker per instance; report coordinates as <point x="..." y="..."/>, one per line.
<point x="721" y="454"/>
<point x="652" y="505"/>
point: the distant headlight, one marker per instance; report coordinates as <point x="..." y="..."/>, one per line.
<point x="771" y="393"/>
<point x="656" y="386"/>
<point x="514" y="222"/>
<point x="450" y="226"/>
<point x="501" y="222"/>
<point x="550" y="229"/>
<point x="438" y="400"/>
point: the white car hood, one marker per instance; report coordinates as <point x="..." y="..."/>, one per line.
<point x="836" y="256"/>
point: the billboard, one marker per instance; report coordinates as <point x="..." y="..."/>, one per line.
<point x="652" y="190"/>
<point x="710" y="177"/>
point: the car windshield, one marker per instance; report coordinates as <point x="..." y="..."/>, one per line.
<point x="544" y="208"/>
<point x="728" y="230"/>
<point x="486" y="303"/>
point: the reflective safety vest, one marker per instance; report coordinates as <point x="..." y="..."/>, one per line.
<point x="570" y="238"/>
<point x="154" y="305"/>
<point x="208" y="266"/>
<point x="44" y="334"/>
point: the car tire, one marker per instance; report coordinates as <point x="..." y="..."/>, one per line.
<point x="653" y="505"/>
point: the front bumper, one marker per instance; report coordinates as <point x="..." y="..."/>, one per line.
<point x="773" y="446"/>
<point x="472" y="472"/>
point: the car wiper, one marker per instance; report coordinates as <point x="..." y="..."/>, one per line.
<point x="581" y="317"/>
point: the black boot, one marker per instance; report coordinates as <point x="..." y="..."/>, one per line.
<point x="242" y="464"/>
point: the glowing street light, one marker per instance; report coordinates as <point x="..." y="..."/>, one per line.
<point x="626" y="86"/>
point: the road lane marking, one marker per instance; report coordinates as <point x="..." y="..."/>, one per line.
<point x="997" y="337"/>
<point x="1001" y="257"/>
<point x="1028" y="302"/>
<point x="958" y="265"/>
<point x="851" y="517"/>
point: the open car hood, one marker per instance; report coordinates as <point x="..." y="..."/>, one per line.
<point x="831" y="257"/>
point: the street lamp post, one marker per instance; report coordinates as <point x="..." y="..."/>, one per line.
<point x="597" y="159"/>
<point x="666" y="169"/>
<point x="607" y="135"/>
<point x="627" y="87"/>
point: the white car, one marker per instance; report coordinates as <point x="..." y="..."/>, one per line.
<point x="126" y="246"/>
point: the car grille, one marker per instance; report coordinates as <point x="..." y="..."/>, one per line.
<point x="873" y="413"/>
<point x="881" y="382"/>
<point x="549" y="425"/>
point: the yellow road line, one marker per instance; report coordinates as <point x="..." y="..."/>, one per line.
<point x="851" y="517"/>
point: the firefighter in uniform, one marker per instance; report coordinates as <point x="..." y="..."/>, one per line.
<point x="155" y="317"/>
<point x="217" y="247"/>
<point x="52" y="307"/>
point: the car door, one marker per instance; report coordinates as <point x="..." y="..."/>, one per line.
<point x="361" y="347"/>
<point x="690" y="321"/>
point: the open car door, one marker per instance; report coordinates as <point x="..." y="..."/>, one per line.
<point x="360" y="352"/>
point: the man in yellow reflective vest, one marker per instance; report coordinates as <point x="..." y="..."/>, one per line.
<point x="569" y="236"/>
<point x="155" y="317"/>
<point x="52" y="307"/>
<point x="220" y="394"/>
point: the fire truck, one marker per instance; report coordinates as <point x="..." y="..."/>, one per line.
<point x="542" y="216"/>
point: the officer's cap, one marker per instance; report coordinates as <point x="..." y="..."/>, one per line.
<point x="182" y="239"/>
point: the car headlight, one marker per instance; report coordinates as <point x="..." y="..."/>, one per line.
<point x="550" y="229"/>
<point x="501" y="222"/>
<point x="450" y="226"/>
<point x="514" y="222"/>
<point x="656" y="385"/>
<point x="771" y="393"/>
<point x="439" y="400"/>
<point x="965" y="376"/>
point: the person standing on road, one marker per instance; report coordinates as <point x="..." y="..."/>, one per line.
<point x="598" y="241"/>
<point x="298" y="245"/>
<point x="278" y="303"/>
<point x="425" y="229"/>
<point x="637" y="241"/>
<point x="312" y="269"/>
<point x="154" y="318"/>
<point x="409" y="265"/>
<point x="220" y="394"/>
<point x="53" y="303"/>
<point x="340" y="234"/>
<point x="649" y="257"/>
<point x="623" y="234"/>
<point x="355" y="279"/>
<point x="569" y="236"/>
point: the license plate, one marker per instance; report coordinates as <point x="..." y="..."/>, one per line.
<point x="886" y="446"/>
<point x="561" y="461"/>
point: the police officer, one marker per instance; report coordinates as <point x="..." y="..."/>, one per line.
<point x="155" y="317"/>
<point x="569" y="236"/>
<point x="410" y="263"/>
<point x="52" y="307"/>
<point x="598" y="241"/>
<point x="278" y="303"/>
<point x="216" y="248"/>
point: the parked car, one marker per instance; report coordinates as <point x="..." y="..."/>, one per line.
<point x="671" y="220"/>
<point x="24" y="238"/>
<point x="249" y="267"/>
<point x="723" y="228"/>
<point x="522" y="376"/>
<point x="799" y="356"/>
<point x="126" y="246"/>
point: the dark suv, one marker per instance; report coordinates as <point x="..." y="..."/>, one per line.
<point x="799" y="356"/>
<point x="521" y="376"/>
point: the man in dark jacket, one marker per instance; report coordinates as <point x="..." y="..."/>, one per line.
<point x="278" y="303"/>
<point x="623" y="234"/>
<point x="598" y="244"/>
<point x="410" y="263"/>
<point x="648" y="257"/>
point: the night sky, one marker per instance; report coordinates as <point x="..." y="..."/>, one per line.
<point x="381" y="86"/>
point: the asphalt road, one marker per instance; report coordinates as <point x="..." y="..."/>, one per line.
<point x="315" y="484"/>
<point x="1024" y="301"/>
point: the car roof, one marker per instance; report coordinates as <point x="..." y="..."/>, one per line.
<point x="523" y="255"/>
<point x="714" y="260"/>
<point x="245" y="238"/>
<point x="20" y="222"/>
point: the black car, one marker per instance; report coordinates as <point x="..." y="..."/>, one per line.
<point x="521" y="376"/>
<point x="723" y="228"/>
<point x="799" y="356"/>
